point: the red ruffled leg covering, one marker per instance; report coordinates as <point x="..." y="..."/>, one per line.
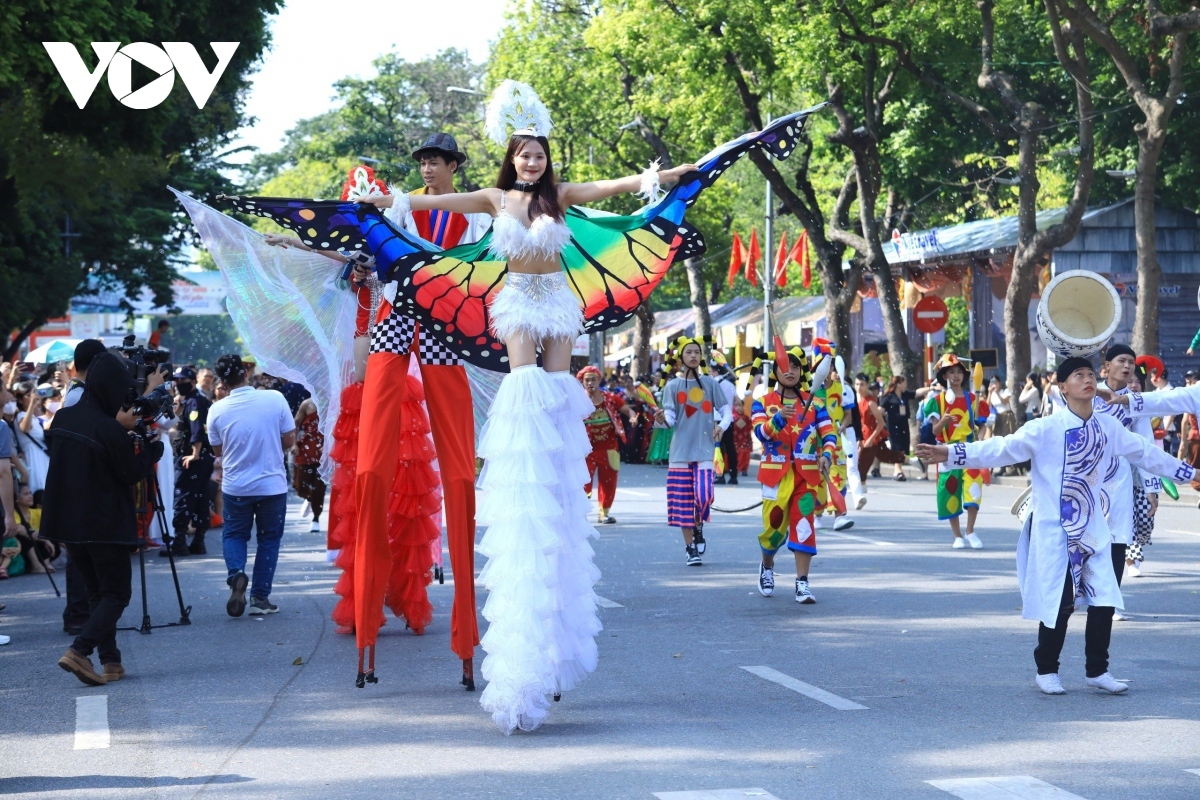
<point x="343" y="520"/>
<point x="415" y="500"/>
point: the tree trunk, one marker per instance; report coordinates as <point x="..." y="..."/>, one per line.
<point x="1145" y="324"/>
<point x="10" y="350"/>
<point x="643" y="329"/>
<point x="699" y="301"/>
<point x="1017" y="360"/>
<point x="837" y="318"/>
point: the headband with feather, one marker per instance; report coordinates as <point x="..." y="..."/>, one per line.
<point x="516" y="105"/>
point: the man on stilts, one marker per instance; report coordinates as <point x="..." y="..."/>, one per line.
<point x="450" y="417"/>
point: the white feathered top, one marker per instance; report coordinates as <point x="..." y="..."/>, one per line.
<point x="544" y="238"/>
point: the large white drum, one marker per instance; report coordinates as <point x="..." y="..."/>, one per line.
<point x="1078" y="314"/>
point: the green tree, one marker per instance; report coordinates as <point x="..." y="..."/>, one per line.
<point x="106" y="166"/>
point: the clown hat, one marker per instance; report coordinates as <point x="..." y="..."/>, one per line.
<point x="947" y="361"/>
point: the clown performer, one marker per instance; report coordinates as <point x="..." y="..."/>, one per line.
<point x="1064" y="555"/>
<point x="955" y="413"/>
<point x="606" y="433"/>
<point x="791" y="471"/>
<point x="689" y="403"/>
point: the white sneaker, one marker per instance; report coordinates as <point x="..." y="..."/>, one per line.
<point x="974" y="540"/>
<point x="842" y="523"/>
<point x="1132" y="570"/>
<point x="4" y="640"/>
<point x="860" y="503"/>
<point x="1119" y="617"/>
<point x="766" y="581"/>
<point x="819" y="522"/>
<point x="958" y="543"/>
<point x="306" y="509"/>
<point x="315" y="527"/>
<point x="1108" y="683"/>
<point x="1050" y="684"/>
<point x="803" y="595"/>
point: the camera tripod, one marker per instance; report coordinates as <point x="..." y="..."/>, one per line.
<point x="150" y="506"/>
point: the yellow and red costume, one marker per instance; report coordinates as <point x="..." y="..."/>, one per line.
<point x="606" y="431"/>
<point x="790" y="471"/>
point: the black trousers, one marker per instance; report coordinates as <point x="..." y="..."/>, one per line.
<point x="192" y="490"/>
<point x="1096" y="637"/>
<point x="108" y="574"/>
<point x="76" y="611"/>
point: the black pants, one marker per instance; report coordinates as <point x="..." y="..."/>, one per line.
<point x="108" y="576"/>
<point x="76" y="612"/>
<point x="1096" y="636"/>
<point x="192" y="488"/>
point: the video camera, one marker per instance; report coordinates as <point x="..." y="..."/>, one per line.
<point x="141" y="361"/>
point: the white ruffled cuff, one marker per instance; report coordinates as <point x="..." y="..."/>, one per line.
<point x="650" y="189"/>
<point x="400" y="206"/>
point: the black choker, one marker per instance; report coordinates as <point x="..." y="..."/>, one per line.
<point x="526" y="186"/>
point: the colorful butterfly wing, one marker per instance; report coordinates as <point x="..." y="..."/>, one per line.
<point x="614" y="263"/>
<point x="449" y="292"/>
<point x="320" y="224"/>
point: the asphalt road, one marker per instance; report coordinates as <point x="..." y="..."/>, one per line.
<point x="927" y="639"/>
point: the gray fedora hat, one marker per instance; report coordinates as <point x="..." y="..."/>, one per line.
<point x="443" y="143"/>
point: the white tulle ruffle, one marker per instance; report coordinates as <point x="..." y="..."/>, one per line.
<point x="539" y="306"/>
<point x="541" y="606"/>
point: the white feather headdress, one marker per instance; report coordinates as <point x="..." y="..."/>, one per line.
<point x="516" y="105"/>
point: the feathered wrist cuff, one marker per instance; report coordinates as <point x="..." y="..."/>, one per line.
<point x="650" y="188"/>
<point x="400" y="206"/>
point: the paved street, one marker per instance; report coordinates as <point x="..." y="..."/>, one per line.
<point x="913" y="667"/>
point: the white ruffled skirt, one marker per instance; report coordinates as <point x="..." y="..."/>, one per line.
<point x="540" y="306"/>
<point x="541" y="607"/>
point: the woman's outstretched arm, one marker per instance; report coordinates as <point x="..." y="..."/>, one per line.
<point x="484" y="201"/>
<point x="573" y="194"/>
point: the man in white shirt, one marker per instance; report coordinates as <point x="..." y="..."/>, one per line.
<point x="251" y="430"/>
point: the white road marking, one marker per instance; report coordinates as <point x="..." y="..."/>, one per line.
<point x="604" y="602"/>
<point x="1187" y="533"/>
<point x="1010" y="787"/>
<point x="1193" y="771"/>
<point x="716" y="794"/>
<point x="91" y="722"/>
<point x="808" y="690"/>
<point x="851" y="536"/>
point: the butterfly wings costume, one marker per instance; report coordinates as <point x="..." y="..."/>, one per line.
<point x="612" y="263"/>
<point x="541" y="606"/>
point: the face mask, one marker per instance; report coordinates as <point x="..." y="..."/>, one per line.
<point x="53" y="406"/>
<point x="10" y="407"/>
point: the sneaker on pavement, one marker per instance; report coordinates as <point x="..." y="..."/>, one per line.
<point x="315" y="527"/>
<point x="842" y="523"/>
<point x="1050" y="684"/>
<point x="974" y="540"/>
<point x="698" y="540"/>
<point x="819" y="522"/>
<point x="261" y="605"/>
<point x="81" y="667"/>
<point x="860" y="503"/>
<point x="305" y="509"/>
<point x="5" y="639"/>
<point x="1108" y="683"/>
<point x="1133" y="571"/>
<point x="237" y="594"/>
<point x="693" y="556"/>
<point x="1119" y="617"/>
<point x="958" y="543"/>
<point x="803" y="595"/>
<point x="766" y="581"/>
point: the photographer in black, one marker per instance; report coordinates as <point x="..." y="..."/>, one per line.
<point x="89" y="506"/>
<point x="193" y="466"/>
